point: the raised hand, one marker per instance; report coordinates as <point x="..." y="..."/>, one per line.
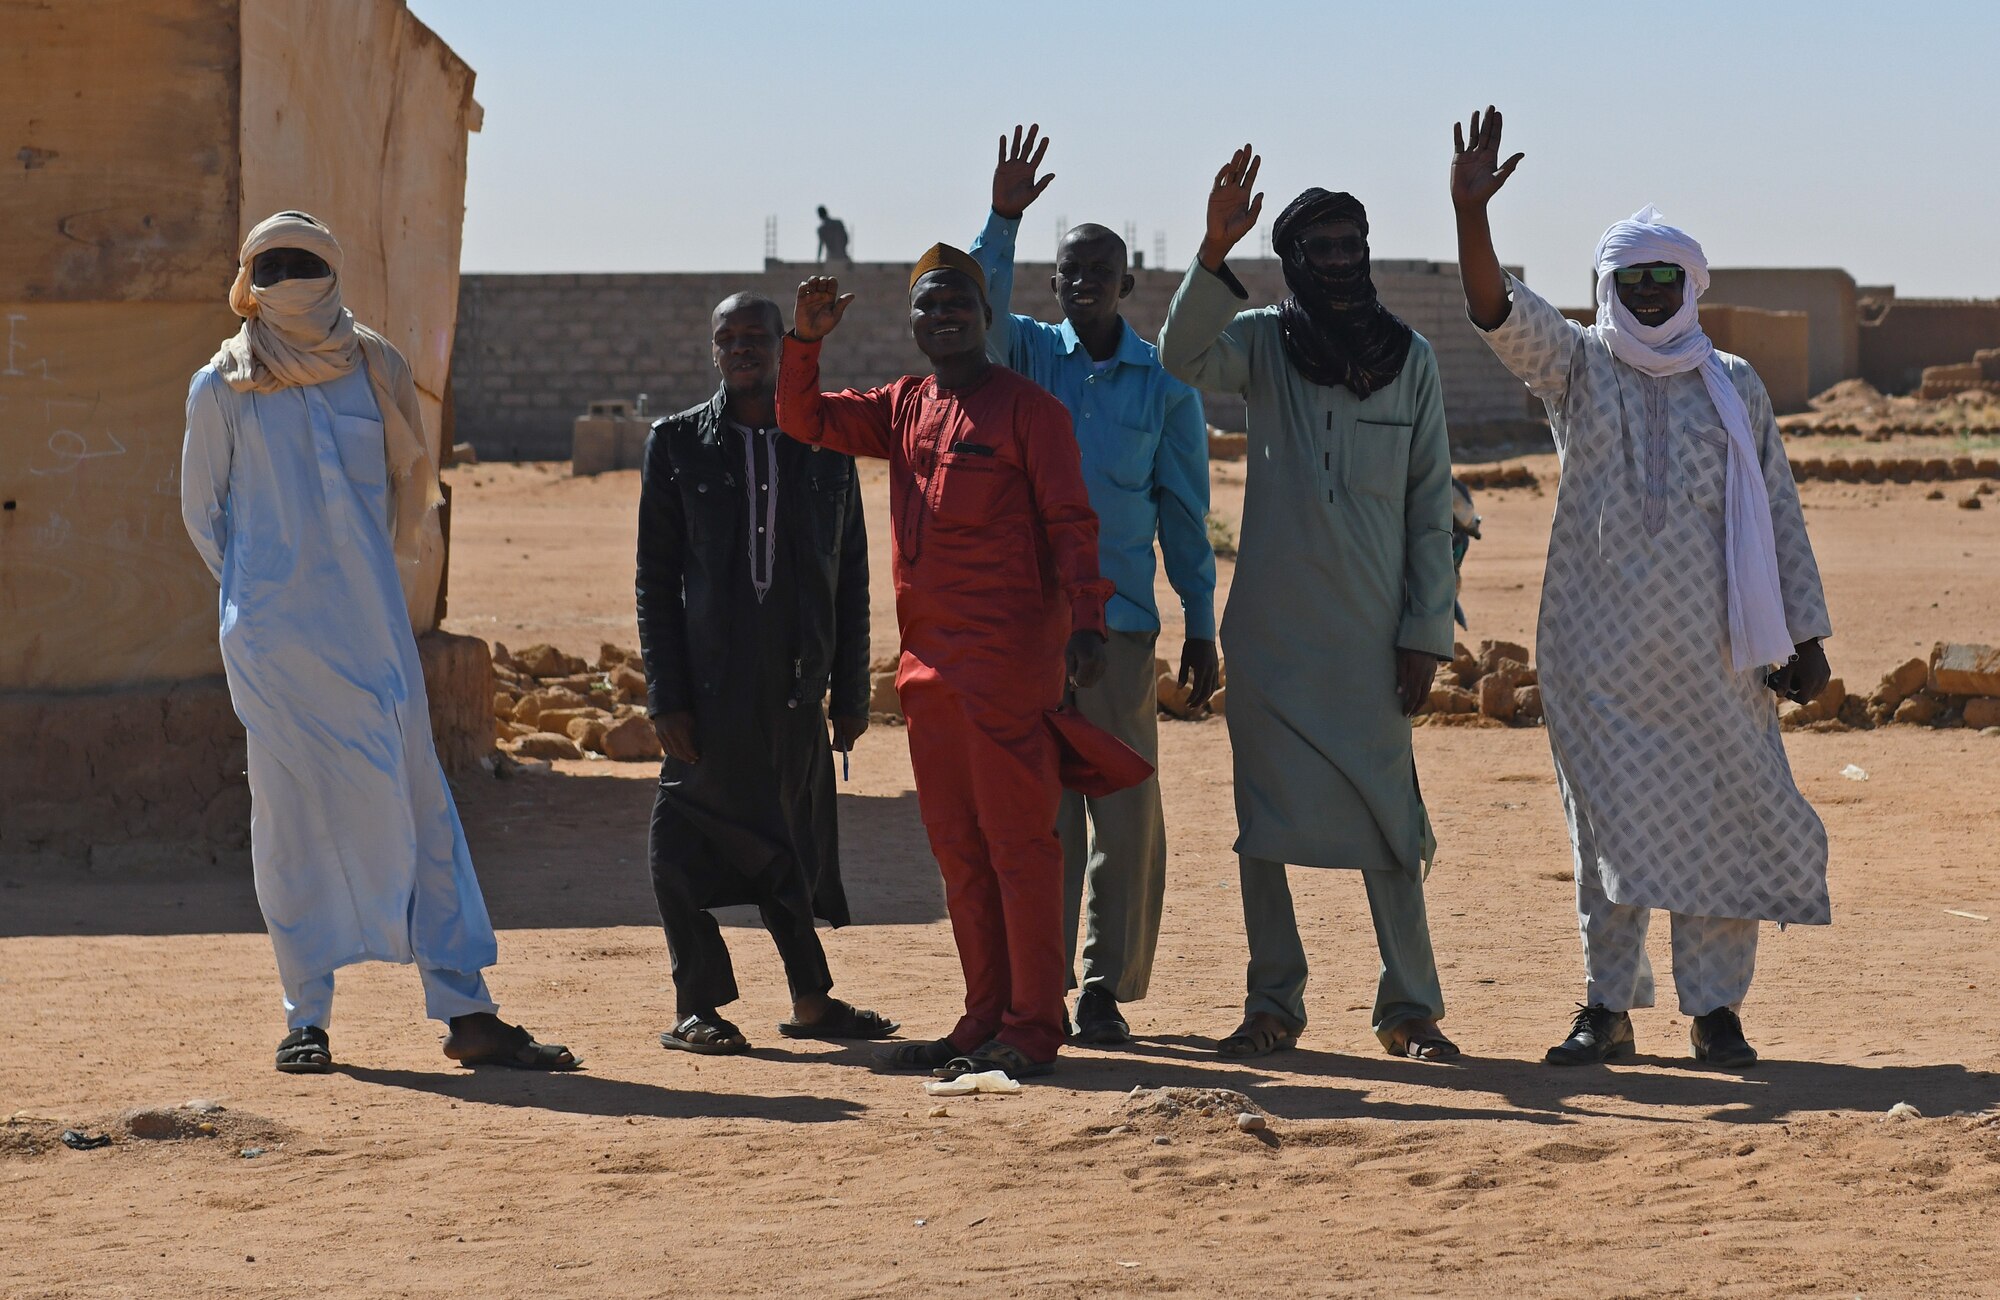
<point x="1232" y="209"/>
<point x="821" y="305"/>
<point x="1014" y="183"/>
<point x="1476" y="170"/>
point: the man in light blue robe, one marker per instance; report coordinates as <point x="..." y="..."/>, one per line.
<point x="306" y="487"/>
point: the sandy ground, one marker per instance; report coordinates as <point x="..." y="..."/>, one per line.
<point x="800" y="1166"/>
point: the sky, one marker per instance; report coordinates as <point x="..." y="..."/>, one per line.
<point x="630" y="136"/>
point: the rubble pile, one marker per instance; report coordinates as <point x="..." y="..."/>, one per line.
<point x="548" y="704"/>
<point x="1854" y="409"/>
<point x="1957" y="686"/>
<point x="1496" y="686"/>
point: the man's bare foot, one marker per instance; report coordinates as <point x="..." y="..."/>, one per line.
<point x="485" y="1039"/>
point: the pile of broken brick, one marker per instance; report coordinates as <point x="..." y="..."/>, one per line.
<point x="549" y="705"/>
<point x="1495" y="686"/>
<point x="1957" y="686"/>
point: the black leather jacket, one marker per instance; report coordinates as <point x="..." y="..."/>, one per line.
<point x="692" y="530"/>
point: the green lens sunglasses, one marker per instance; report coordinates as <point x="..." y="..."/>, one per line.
<point x="1660" y="274"/>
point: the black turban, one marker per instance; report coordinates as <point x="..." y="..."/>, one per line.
<point x="1336" y="332"/>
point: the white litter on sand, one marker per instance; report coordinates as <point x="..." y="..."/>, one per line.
<point x="1853" y="773"/>
<point x="1902" y="1110"/>
<point x="1970" y="916"/>
<point x="985" y="1081"/>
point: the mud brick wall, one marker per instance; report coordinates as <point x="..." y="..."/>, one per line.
<point x="533" y="351"/>
<point x="1918" y="332"/>
<point x="152" y="779"/>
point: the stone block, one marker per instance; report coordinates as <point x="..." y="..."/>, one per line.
<point x="593" y="445"/>
<point x="458" y="685"/>
<point x="1982" y="711"/>
<point x="1965" y="669"/>
<point x="631" y="740"/>
<point x="1899" y="684"/>
<point x="546" y="744"/>
<point x="882" y="697"/>
<point x="1825" y="706"/>
<point x="1451" y="699"/>
<point x="1496" y="696"/>
<point x="1527" y="704"/>
<point x="1492" y="653"/>
<point x="588" y="733"/>
<point x="1920" y="709"/>
<point x="543" y="660"/>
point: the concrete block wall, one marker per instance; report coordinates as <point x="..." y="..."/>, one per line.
<point x="533" y="351"/>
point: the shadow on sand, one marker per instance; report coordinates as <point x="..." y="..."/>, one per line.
<point x="1339" y="1086"/>
<point x="552" y="852"/>
<point x="583" y="1093"/>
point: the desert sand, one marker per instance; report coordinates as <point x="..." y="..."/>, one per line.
<point x="799" y="1168"/>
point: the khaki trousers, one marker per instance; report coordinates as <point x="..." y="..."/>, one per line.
<point x="1117" y="845"/>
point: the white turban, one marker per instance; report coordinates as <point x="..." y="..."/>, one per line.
<point x="1758" y="634"/>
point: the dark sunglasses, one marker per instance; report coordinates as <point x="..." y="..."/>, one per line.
<point x="1321" y="247"/>
<point x="1660" y="274"/>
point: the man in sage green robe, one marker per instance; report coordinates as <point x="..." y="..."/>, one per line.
<point x="1341" y="607"/>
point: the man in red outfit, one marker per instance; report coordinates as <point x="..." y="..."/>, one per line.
<point x="999" y="600"/>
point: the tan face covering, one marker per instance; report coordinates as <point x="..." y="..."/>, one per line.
<point x="296" y="333"/>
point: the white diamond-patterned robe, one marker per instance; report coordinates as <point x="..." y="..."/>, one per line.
<point x="1671" y="766"/>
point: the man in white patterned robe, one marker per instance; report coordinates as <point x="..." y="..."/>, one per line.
<point x="1667" y="751"/>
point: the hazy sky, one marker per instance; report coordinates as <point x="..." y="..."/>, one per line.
<point x="626" y="136"/>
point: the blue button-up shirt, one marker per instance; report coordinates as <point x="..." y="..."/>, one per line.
<point x="1144" y="444"/>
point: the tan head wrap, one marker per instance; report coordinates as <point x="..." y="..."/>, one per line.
<point x="943" y="257"/>
<point x="295" y="333"/>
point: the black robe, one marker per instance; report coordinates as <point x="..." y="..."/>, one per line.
<point x="756" y="816"/>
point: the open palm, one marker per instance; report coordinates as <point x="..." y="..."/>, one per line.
<point x="1014" y="183"/>
<point x="1233" y="202"/>
<point x="1476" y="170"/>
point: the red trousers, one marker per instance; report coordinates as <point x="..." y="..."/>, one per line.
<point x="988" y="787"/>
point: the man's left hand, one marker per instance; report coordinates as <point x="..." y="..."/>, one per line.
<point x="1414" y="673"/>
<point x="846" y="731"/>
<point x="1802" y="680"/>
<point x="1201" y="670"/>
<point x="1083" y="658"/>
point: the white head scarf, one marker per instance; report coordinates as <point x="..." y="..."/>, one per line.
<point x="296" y="333"/>
<point x="1757" y="631"/>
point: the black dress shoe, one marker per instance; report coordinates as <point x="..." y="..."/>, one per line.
<point x="1718" y="1039"/>
<point x="1597" y="1034"/>
<point x="1098" y="1021"/>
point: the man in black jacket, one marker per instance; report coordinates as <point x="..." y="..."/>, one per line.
<point x="753" y="602"/>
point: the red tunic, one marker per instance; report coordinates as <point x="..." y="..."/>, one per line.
<point x="996" y="564"/>
<point x="996" y="543"/>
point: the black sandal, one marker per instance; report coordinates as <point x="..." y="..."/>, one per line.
<point x="996" y="1055"/>
<point x="1419" y="1039"/>
<point x="707" y="1034"/>
<point x="1258" y="1035"/>
<point x="305" y="1050"/>
<point x="517" y="1050"/>
<point x="843" y="1021"/>
<point x="917" y="1056"/>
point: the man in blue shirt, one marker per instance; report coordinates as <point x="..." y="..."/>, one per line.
<point x="1145" y="462"/>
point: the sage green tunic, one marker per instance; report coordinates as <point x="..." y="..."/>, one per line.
<point x="1344" y="555"/>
